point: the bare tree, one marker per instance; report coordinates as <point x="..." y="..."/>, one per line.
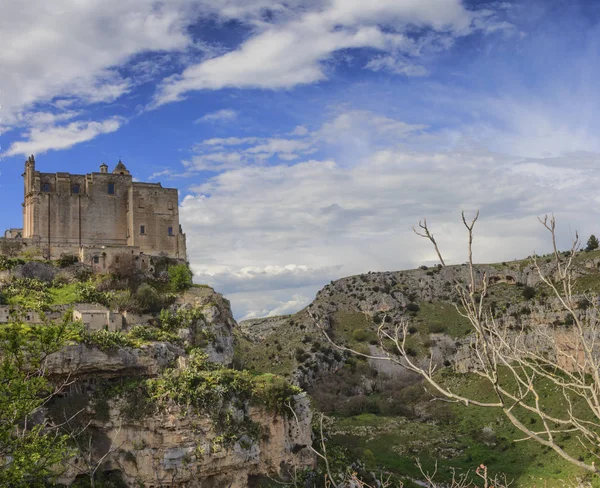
<point x="88" y="451"/>
<point x="522" y="365"/>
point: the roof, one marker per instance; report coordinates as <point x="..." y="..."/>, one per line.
<point x="121" y="168"/>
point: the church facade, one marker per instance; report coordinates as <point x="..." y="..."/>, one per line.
<point x="99" y="215"/>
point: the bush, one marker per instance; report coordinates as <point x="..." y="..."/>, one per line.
<point x="107" y="341"/>
<point x="10" y="247"/>
<point x="180" y="277"/>
<point x="528" y="292"/>
<point x="361" y="335"/>
<point x="412" y="307"/>
<point x="66" y="260"/>
<point x="37" y="271"/>
<point x="87" y="293"/>
<point x="8" y="263"/>
<point x="148" y="299"/>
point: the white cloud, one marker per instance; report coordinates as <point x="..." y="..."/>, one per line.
<point x="299" y="130"/>
<point x="290" y="53"/>
<point x="304" y="224"/>
<point x="61" y="137"/>
<point x="224" y="115"/>
<point x="72" y="49"/>
<point x="396" y="65"/>
<point x="218" y="154"/>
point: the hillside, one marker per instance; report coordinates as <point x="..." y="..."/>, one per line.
<point x="382" y="414"/>
<point x="145" y="392"/>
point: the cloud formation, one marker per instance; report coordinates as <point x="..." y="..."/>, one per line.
<point x="303" y="224"/>
<point x="293" y="51"/>
<point x="56" y="137"/>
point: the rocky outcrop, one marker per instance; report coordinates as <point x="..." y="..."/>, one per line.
<point x="80" y="360"/>
<point x="217" y="322"/>
<point x="150" y="442"/>
<point x="258" y="329"/>
<point x="181" y="449"/>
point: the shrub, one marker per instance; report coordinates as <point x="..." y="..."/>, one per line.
<point x="436" y="328"/>
<point x="107" y="341"/>
<point x="360" y="335"/>
<point x="180" y="277"/>
<point x="87" y="293"/>
<point x="10" y="247"/>
<point x="66" y="260"/>
<point x="8" y="263"/>
<point x="528" y="292"/>
<point x="148" y="298"/>
<point x="38" y="271"/>
<point x="412" y="307"/>
<point x="182" y="318"/>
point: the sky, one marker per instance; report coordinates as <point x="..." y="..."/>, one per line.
<point x="308" y="137"/>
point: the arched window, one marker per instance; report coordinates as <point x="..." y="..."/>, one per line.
<point x="75" y="189"/>
<point x="46" y="187"/>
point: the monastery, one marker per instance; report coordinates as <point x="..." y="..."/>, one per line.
<point x="98" y="216"/>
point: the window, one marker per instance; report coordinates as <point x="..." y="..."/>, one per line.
<point x="96" y="259"/>
<point x="142" y="229"/>
<point x="75" y="189"/>
<point x="170" y="231"/>
<point x="111" y="188"/>
<point x="46" y="187"/>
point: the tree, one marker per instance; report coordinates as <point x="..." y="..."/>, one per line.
<point x="30" y="446"/>
<point x="547" y="373"/>
<point x="592" y="243"/>
<point x="180" y="277"/>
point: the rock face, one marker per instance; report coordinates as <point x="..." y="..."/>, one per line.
<point x="261" y="328"/>
<point x="176" y="446"/>
<point x="81" y="360"/>
<point x="218" y="320"/>
<point x="426" y="299"/>
<point x="176" y="449"/>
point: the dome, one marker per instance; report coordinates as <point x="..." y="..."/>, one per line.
<point x="120" y="169"/>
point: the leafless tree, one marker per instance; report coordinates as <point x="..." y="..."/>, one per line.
<point x="82" y="436"/>
<point x="521" y="366"/>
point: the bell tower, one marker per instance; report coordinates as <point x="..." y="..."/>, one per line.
<point x="29" y="199"/>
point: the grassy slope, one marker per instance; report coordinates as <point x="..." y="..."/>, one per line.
<point x="461" y="443"/>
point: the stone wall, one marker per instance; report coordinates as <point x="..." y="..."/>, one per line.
<point x="66" y="212"/>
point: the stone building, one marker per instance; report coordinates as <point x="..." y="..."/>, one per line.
<point x="99" y="215"/>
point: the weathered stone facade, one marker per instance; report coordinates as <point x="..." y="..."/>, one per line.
<point x="100" y="214"/>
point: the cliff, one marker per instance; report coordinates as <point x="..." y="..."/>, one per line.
<point x="157" y="403"/>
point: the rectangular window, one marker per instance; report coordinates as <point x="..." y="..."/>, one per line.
<point x="170" y="231"/>
<point x="96" y="259"/>
<point x="75" y="188"/>
<point x="111" y="188"/>
<point x="46" y="187"/>
<point x="142" y="229"/>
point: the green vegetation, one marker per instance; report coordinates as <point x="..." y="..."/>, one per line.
<point x="592" y="243"/>
<point x="215" y="391"/>
<point x="436" y="317"/>
<point x="180" y="277"/>
<point x="456" y="437"/>
<point x="30" y="449"/>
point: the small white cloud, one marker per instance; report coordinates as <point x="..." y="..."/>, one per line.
<point x="396" y="65"/>
<point x="224" y="115"/>
<point x="62" y="137"/>
<point x="299" y="130"/>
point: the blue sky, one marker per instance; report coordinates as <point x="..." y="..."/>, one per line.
<point x="308" y="137"/>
